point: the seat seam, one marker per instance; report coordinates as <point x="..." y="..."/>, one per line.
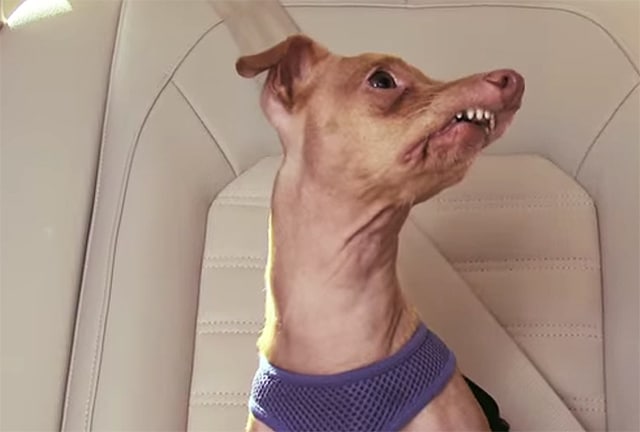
<point x="489" y="205"/>
<point x="233" y="266"/>
<point x="586" y="399"/>
<point x="94" y="208"/>
<point x="550" y="325"/>
<point x="227" y="257"/>
<point x="219" y="393"/>
<point x="523" y="260"/>
<point x="578" y="199"/>
<point x="442" y="205"/>
<point x="228" y="331"/>
<point x="241" y="322"/>
<point x="564" y="197"/>
<point x="588" y="409"/>
<point x="217" y="403"/>
<point x="222" y="323"/>
<point x="256" y="196"/>
<point x="231" y="259"/>
<point x="556" y="335"/>
<point x="209" y="132"/>
<point x="591" y="146"/>
<point x="230" y="204"/>
<point x="524" y="269"/>
<point x="104" y="311"/>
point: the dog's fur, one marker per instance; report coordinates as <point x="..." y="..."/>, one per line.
<point x="356" y="158"/>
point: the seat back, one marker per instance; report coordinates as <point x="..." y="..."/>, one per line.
<point x="140" y="123"/>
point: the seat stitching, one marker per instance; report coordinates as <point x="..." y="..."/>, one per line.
<point x="233" y="265"/>
<point x="217" y="403"/>
<point x="557" y="335"/>
<point x="228" y="331"/>
<point x="444" y="204"/>
<point x="581" y="197"/>
<point x="233" y="260"/>
<point x="564" y="197"/>
<point x="494" y="206"/>
<point x="219" y="393"/>
<point x="241" y="204"/>
<point x="225" y="196"/>
<point x="200" y="119"/>
<point x="243" y="196"/>
<point x="550" y="325"/>
<point x="527" y="268"/>
<point x="256" y="201"/>
<point x="586" y="399"/>
<point x="588" y="409"/>
<point x="102" y="319"/>
<point x="566" y="263"/>
<point x="226" y="257"/>
<point x="519" y="260"/>
<point x="225" y="327"/>
<point x="222" y="202"/>
<point x="242" y="322"/>
<point x="572" y="196"/>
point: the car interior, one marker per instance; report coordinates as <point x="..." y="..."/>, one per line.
<point x="136" y="170"/>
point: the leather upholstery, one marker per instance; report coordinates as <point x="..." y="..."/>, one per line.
<point x="529" y="250"/>
<point x="179" y="126"/>
<point x="53" y="88"/>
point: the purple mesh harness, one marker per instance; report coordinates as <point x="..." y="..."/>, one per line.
<point x="383" y="396"/>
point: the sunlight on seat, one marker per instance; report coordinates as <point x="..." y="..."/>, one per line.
<point x="34" y="10"/>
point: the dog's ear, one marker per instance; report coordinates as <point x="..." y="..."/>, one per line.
<point x="289" y="64"/>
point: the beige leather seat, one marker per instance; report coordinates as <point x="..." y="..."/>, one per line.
<point x="135" y="175"/>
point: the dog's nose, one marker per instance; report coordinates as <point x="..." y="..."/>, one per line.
<point x="510" y="83"/>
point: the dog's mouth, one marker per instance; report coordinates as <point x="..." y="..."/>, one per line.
<point x="474" y="127"/>
<point x="483" y="118"/>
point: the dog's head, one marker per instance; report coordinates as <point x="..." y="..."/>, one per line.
<point x="372" y="127"/>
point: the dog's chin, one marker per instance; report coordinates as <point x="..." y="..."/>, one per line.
<point x="454" y="145"/>
<point x="462" y="135"/>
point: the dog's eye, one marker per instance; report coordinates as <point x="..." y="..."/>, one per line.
<point x="382" y="80"/>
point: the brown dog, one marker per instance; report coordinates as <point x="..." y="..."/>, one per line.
<point x="364" y="139"/>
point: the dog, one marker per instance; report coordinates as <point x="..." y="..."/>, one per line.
<point x="364" y="139"/>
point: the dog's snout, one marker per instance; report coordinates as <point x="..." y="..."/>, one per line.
<point x="509" y="82"/>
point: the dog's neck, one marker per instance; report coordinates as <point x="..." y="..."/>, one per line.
<point x="333" y="298"/>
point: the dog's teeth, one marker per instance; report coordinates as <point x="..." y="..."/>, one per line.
<point x="487" y="115"/>
<point x="479" y="114"/>
<point x="492" y="122"/>
<point x="459" y="116"/>
<point x="470" y="114"/>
